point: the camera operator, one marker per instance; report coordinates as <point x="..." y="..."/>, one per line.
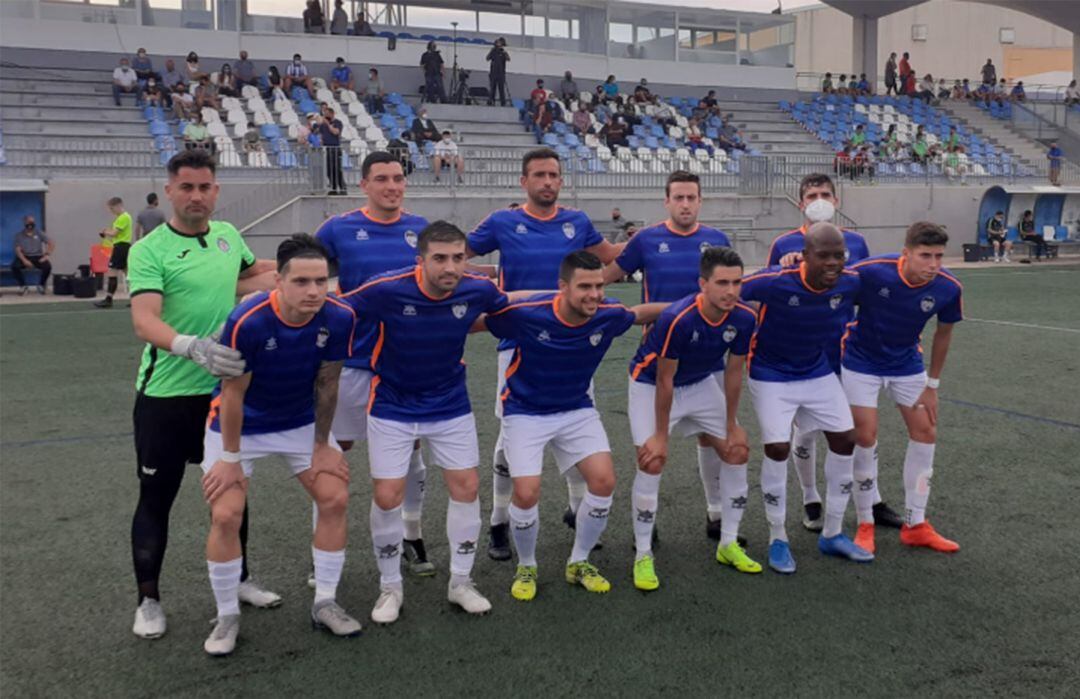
<point x="498" y="57"/>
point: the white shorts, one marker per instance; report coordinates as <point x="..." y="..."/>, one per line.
<point x="294" y="445"/>
<point x="573" y="436"/>
<point x="452" y="444"/>
<point x="695" y="409"/>
<point x="350" y="416"/>
<point x="505" y="357"/>
<point x="817" y="404"/>
<point x="862" y="389"/>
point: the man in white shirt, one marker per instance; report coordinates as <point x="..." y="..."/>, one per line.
<point x="124" y="79"/>
<point x="446" y="155"/>
<point x="297" y="74"/>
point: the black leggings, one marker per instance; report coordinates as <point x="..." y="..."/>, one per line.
<point x="1041" y="247"/>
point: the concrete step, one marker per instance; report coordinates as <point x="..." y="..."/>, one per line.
<point x="479" y="127"/>
<point x="450" y="112"/>
<point x="800" y="148"/>
<point x="113" y="115"/>
<point x="69" y="128"/>
<point x="57" y="87"/>
<point x="497" y="140"/>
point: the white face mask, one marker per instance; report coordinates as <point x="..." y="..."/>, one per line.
<point x="819" y="210"/>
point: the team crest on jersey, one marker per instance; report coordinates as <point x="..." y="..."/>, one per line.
<point x="543" y="336"/>
<point x="521" y="229"/>
<point x="568" y="231"/>
<point x="695" y="337"/>
<point x="664" y="248"/>
<point x="323" y="336"/>
<point x="410" y="238"/>
<point x="835" y="301"/>
<point x="704" y="246"/>
<point x="595" y="338"/>
<point x="730" y="333"/>
<point x="409" y="310"/>
<point x="884" y="293"/>
<point x="271" y="344"/>
<point x="793" y="301"/>
<point x="361" y="234"/>
<point x="459" y="310"/>
<point x="223" y="245"/>
<point x="927" y="304"/>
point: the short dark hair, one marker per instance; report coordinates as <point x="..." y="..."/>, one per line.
<point x="295" y="56"/>
<point x="579" y="259"/>
<point x="816" y="179"/>
<point x="925" y="233"/>
<point x="196" y="159"/>
<point x="439" y="232"/>
<point x="374" y="158"/>
<point x="151" y="198"/>
<point x="718" y="256"/>
<point x="538" y="154"/>
<point x="299" y="246"/>
<point x="115" y="201"/>
<point x="681" y="176"/>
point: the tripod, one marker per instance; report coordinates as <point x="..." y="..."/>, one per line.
<point x="454" y="96"/>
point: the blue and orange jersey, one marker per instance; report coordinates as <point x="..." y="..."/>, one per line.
<point x="554" y="361"/>
<point x="884" y="341"/>
<point x="797" y="323"/>
<point x="668" y="260"/>
<point x="363" y="247"/>
<point x="683" y="332"/>
<point x="795" y="241"/>
<point x="283" y="360"/>
<point x="417" y="358"/>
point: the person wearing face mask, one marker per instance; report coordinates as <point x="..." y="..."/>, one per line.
<point x="423" y="129"/>
<point x="314" y="21"/>
<point x="297" y="74"/>
<point x="226" y="82"/>
<point x="447" y="155"/>
<point x="124" y="80"/>
<point x="32" y="249"/>
<point x="155" y="96"/>
<point x="373" y="92"/>
<point x="341" y="77"/>
<point x="194" y="72"/>
<point x="818" y="201"/>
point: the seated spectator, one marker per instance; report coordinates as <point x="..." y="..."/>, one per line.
<point x="730" y="140"/>
<point x="628" y="113"/>
<point x="709" y="104"/>
<point x="314" y="23"/>
<point x="926" y="89"/>
<point x="171" y="77"/>
<point x="827" y="84"/>
<point x="1072" y="94"/>
<point x="864" y="161"/>
<point x="196" y="135"/>
<point x="843" y="163"/>
<point x="194" y="72"/>
<point x="341" y="77"/>
<point x="695" y="138"/>
<point x="273" y="81"/>
<point x="361" y="27"/>
<point x="446" y="155"/>
<point x="339" y="23"/>
<point x="919" y="150"/>
<point x="956" y="165"/>
<point x="155" y="96"/>
<point x="1017" y="94"/>
<point x="297" y="74"/>
<point x="543" y="119"/>
<point x="226" y="82"/>
<point x="245" y="72"/>
<point x="568" y="89"/>
<point x="853" y="86"/>
<point x="983" y="93"/>
<point x="143" y="66"/>
<point x="943" y="90"/>
<point x="842" y="84"/>
<point x="863" y="86"/>
<point x="1001" y="91"/>
<point x="582" y="120"/>
<point x="614" y="132"/>
<point x="124" y="80"/>
<point x="995" y="234"/>
<point x="891" y="143"/>
<point x="1030" y="235"/>
<point x="962" y="90"/>
<point x="32" y="249"/>
<point x="859" y="137"/>
<point x="373" y="92"/>
<point x="206" y="94"/>
<point x="252" y="139"/>
<point x="665" y="115"/>
<point x="611" y="90"/>
<point x="538" y="92"/>
<point x="423" y="129"/>
<point x="952" y="141"/>
<point x="183" y="102"/>
<point x="642" y="93"/>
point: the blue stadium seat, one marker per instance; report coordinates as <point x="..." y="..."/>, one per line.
<point x="427" y="37"/>
<point x="165" y="156"/>
<point x="652" y="142"/>
<point x="387" y="35"/>
<point x="270" y="132"/>
<point x="159" y="128"/>
<point x="634" y="142"/>
<point x="405" y="35"/>
<point x="444" y="38"/>
<point x="571" y="140"/>
<point x="551" y="140"/>
<point x="287" y="159"/>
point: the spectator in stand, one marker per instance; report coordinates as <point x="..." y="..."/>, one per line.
<point x="304" y="129"/>
<point x="859" y="137"/>
<point x="891" y="143"/>
<point x="620" y="226"/>
<point x="983" y="93"/>
<point x="1055" y="155"/>
<point x="843" y="163"/>
<point x="989" y="73"/>
<point x="599" y="96"/>
<point x="155" y="96"/>
<point x="143" y="66"/>
<point x="996" y="235"/>
<point x="919" y="150"/>
<point x="827" y="84"/>
<point x="956" y="165"/>
<point x="909" y="85"/>
<point x="1017" y="94"/>
<point x="446" y="155"/>
<point x="183" y="102"/>
<point x="498" y="57"/>
<point x="890" y="75"/>
<point x="543" y="119"/>
<point x="943" y="90"/>
<point x="694" y="136"/>
<point x="614" y="132"/>
<point x="538" y="93"/>
<point x="582" y="120"/>
<point x="568" y="89"/>
<point x="373" y="92"/>
<point x="642" y="93"/>
<point x="1030" y="235"/>
<point x="432" y="63"/>
<point x="330" y="137"/>
<point x="865" y="162"/>
<point x="273" y="81"/>
<point x="957" y="91"/>
<point x="665" y="115"/>
<point x="196" y="135"/>
<point x="952" y="142"/>
<point x="314" y="22"/>
<point x="206" y="94"/>
<point x="149" y="218"/>
<point x="361" y="27"/>
<point x="194" y="72"/>
<point x="611" y="90"/>
<point x="245" y="72"/>
<point x="297" y="74"/>
<point x="863" y="85"/>
<point x="312" y="137"/>
<point x="171" y="77"/>
<point x="926" y="89"/>
<point x="339" y="23"/>
<point x="226" y="82"/>
<point x="709" y="103"/>
<point x="341" y="77"/>
<point x="965" y="89"/>
<point x="423" y="129"/>
<point x="124" y="80"/>
<point x="730" y="140"/>
<point x="1001" y="92"/>
<point x="252" y="139"/>
<point x="32" y="249"/>
<point x="904" y="69"/>
<point x="841" y="85"/>
<point x="853" y="86"/>
<point x="1072" y="94"/>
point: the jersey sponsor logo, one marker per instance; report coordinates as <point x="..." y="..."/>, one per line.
<point x="271" y="344"/>
<point x="322" y="337"/>
<point x="409" y="310"/>
<point x="459" y="310"/>
<point x="884" y="292"/>
<point x="927" y="304"/>
<point x="521" y="229"/>
<point x="568" y="231"/>
<point x="411" y="238"/>
<point x="835" y="301"/>
<point x="223" y="245"/>
<point x="663" y="247"/>
<point x="183" y="254"/>
<point x="362" y="235"/>
<point x="793" y="301"/>
<point x="544" y="336"/>
<point x="595" y="338"/>
<point x="730" y="333"/>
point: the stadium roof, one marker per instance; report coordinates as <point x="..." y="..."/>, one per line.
<point x="1062" y="14"/>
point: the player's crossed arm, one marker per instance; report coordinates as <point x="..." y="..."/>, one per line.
<point x="226" y="471"/>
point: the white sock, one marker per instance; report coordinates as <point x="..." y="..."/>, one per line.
<point x="734" y="488"/>
<point x="918" y="468"/>
<point x="387" y="531"/>
<point x="838" y="485"/>
<point x="502" y="485"/>
<point x="575" y="489"/>
<point x="774" y="493"/>
<point x="412" y="509"/>
<point x="463" y="532"/>
<point x="592" y="519"/>
<point x="645" y="498"/>
<point x="709" y="464"/>
<point x="804" y="454"/>
<point x="864" y="468"/>
<point x="525" y="529"/>
<point x="328" y="566"/>
<point x="877" y="491"/>
<point x="225" y="582"/>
